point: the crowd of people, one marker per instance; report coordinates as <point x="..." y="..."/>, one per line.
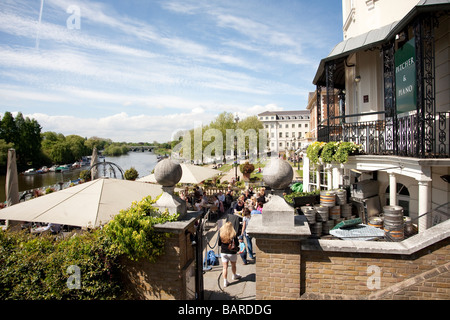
<point x="233" y="236"/>
<point x="239" y="209"/>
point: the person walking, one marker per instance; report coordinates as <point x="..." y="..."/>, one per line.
<point x="229" y="245"/>
<point x="242" y="250"/>
<point x="246" y="220"/>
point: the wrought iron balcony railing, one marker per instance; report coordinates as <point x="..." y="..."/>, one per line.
<point x="403" y="136"/>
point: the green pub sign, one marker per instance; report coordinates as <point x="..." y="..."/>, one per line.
<point x="405" y="77"/>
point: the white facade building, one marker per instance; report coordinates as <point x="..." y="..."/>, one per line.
<point x="287" y="130"/>
<point x="392" y="72"/>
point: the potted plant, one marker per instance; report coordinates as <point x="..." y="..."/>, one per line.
<point x="246" y="169"/>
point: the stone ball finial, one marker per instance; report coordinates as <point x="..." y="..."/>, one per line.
<point x="278" y="174"/>
<point x="168" y="173"/>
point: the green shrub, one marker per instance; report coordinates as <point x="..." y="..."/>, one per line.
<point x="247" y="167"/>
<point x="329" y="151"/>
<point x="36" y="267"/>
<point x="131" y="174"/>
<point x="85" y="175"/>
<point x="132" y="232"/>
<point x="314" y="150"/>
<point x="332" y="151"/>
<point x="290" y="197"/>
<point x="344" y="149"/>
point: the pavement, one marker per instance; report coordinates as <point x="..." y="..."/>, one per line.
<point x="242" y="289"/>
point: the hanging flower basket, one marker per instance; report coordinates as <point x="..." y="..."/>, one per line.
<point x="321" y="152"/>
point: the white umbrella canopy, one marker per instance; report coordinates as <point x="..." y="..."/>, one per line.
<point x="90" y="204"/>
<point x="191" y="174"/>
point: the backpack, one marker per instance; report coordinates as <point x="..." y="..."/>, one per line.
<point x="211" y="258"/>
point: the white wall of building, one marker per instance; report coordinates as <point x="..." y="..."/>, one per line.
<point x="361" y="16"/>
<point x="282" y="131"/>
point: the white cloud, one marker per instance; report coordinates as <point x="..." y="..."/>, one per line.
<point x="119" y="127"/>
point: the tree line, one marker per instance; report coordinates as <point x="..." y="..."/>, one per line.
<point x="35" y="148"/>
<point x="220" y="125"/>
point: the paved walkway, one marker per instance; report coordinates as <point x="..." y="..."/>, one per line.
<point x="242" y="289"/>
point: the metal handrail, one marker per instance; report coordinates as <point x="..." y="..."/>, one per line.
<point x="435" y="210"/>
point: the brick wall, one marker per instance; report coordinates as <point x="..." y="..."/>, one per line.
<point x="277" y="268"/>
<point x="163" y="279"/>
<point x="284" y="271"/>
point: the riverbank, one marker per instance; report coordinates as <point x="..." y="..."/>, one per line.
<point x="143" y="162"/>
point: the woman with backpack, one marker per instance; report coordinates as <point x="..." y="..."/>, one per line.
<point x="229" y="245"/>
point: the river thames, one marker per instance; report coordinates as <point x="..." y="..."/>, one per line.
<point x="143" y="162"/>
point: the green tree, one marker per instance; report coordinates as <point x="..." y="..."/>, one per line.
<point x="77" y="146"/>
<point x="223" y="122"/>
<point x="61" y="153"/>
<point x="25" y="134"/>
<point x="4" y="147"/>
<point x="8" y="129"/>
<point x="29" y="142"/>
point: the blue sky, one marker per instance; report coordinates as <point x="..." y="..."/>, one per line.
<point x="141" y="70"/>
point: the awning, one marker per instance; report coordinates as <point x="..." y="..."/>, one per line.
<point x="369" y="40"/>
<point x="343" y="49"/>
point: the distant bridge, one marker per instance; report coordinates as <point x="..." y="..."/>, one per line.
<point x="141" y="148"/>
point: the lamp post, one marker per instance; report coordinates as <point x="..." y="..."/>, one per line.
<point x="235" y="149"/>
<point x="293" y="148"/>
<point x="235" y="158"/>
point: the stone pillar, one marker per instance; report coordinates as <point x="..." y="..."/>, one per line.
<point x="329" y="173"/>
<point x="424" y="206"/>
<point x="337" y="177"/>
<point x="305" y="165"/>
<point x="167" y="174"/>
<point x="278" y="232"/>
<point x="392" y="189"/>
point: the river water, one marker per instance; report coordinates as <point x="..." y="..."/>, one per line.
<point x="143" y="162"/>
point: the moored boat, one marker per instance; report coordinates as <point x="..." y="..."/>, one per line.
<point x="30" y="172"/>
<point x="44" y="169"/>
<point x="63" y="168"/>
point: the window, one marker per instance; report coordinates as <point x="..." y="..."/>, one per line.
<point x="287" y="134"/>
<point x="293" y="125"/>
<point x="299" y="125"/>
<point x="281" y="135"/>
<point x="272" y="135"/>
<point x="267" y="126"/>
<point x="286" y="126"/>
<point x="306" y="125"/>
<point x="272" y="126"/>
<point x="313" y="179"/>
<point x="281" y="144"/>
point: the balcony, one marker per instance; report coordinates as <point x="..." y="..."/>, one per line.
<point x="406" y="136"/>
